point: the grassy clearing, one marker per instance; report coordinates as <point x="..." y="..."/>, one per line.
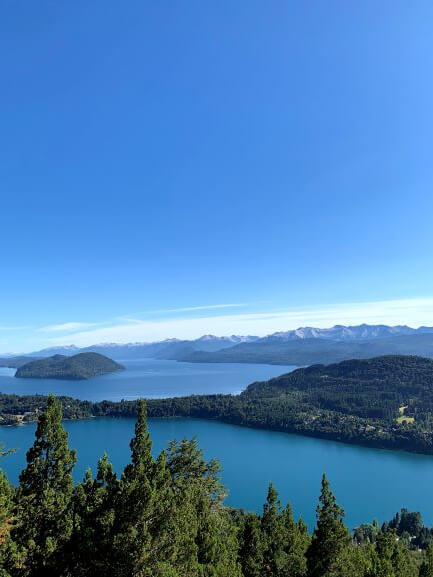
<point x="402" y="419"/>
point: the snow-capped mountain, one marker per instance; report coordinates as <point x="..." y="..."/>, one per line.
<point x="235" y="339"/>
<point x="178" y="349"/>
<point x="168" y="348"/>
<point x="61" y="350"/>
<point x="346" y="333"/>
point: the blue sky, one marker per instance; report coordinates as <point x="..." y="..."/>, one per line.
<point x="161" y="160"/>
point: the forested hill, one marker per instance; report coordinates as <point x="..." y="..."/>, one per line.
<point x="81" y="366"/>
<point x="378" y="387"/>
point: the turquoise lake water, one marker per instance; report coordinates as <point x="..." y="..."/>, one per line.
<point x="368" y="483"/>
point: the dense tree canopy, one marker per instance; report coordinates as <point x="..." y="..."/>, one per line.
<point x="165" y="517"/>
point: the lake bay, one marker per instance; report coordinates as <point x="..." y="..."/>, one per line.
<point x="150" y="378"/>
<point x="369" y="483"/>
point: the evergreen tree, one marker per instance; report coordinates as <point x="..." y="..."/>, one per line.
<point x="217" y="541"/>
<point x="402" y="563"/>
<point x="166" y="518"/>
<point x="6" y="511"/>
<point x="327" y="553"/>
<point x="295" y="541"/>
<point x="134" y="506"/>
<point x="211" y="539"/>
<point x="188" y="467"/>
<point x="272" y="534"/>
<point x="11" y="556"/>
<point x="426" y="569"/>
<point x="93" y="519"/>
<point x="251" y="549"/>
<point x="390" y="558"/>
<point x="44" y="496"/>
<point x="163" y="530"/>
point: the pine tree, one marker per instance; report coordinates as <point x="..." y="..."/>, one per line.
<point x="163" y="529"/>
<point x="93" y="519"/>
<point x="402" y="563"/>
<point x="251" y="549"/>
<point x="11" y="557"/>
<point x="134" y="505"/>
<point x="295" y="541"/>
<point x="382" y="565"/>
<point x="328" y="549"/>
<point x="6" y="510"/>
<point x="216" y="540"/>
<point x="209" y="546"/>
<point x="44" y="496"/>
<point x="426" y="569"/>
<point x="273" y="555"/>
<point x="389" y="558"/>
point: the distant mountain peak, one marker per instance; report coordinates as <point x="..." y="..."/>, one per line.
<point x="231" y="338"/>
<point x="343" y="332"/>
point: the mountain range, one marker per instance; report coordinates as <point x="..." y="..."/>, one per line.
<point x="346" y="333"/>
<point x="167" y="349"/>
<point x="302" y="346"/>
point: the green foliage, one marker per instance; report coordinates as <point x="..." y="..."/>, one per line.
<point x="251" y="547"/>
<point x="80" y="366"/>
<point x="272" y="534"/>
<point x="327" y="553"/>
<point x="426" y="569"/>
<point x="165" y="517"/>
<point x="390" y="558"/>
<point x="355" y="401"/>
<point x="295" y="544"/>
<point x="44" y="496"/>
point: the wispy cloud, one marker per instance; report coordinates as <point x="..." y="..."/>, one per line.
<point x="15" y="327"/>
<point x="414" y="312"/>
<point x="132" y="317"/>
<point x="66" y="327"/>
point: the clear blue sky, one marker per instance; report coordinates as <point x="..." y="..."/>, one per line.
<point x="167" y="155"/>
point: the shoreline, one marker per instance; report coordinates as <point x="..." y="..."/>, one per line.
<point x="362" y="443"/>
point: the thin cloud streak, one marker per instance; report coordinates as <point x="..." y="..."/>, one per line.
<point x="15" y="327"/>
<point x="414" y="312"/>
<point x="132" y="318"/>
<point x="64" y="327"/>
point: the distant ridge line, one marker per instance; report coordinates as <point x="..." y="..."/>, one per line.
<point x="337" y="332"/>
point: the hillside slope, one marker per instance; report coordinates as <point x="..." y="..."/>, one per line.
<point x="81" y="366"/>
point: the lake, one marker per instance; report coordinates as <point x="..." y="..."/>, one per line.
<point x="368" y="483"/>
<point x="150" y="378"/>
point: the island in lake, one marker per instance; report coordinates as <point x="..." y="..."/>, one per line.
<point x="76" y="367"/>
<point x="384" y="402"/>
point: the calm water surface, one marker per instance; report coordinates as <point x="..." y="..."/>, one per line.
<point x="369" y="483"/>
<point x="149" y="378"/>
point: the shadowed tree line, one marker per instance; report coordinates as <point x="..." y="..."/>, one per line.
<point x="165" y="517"/>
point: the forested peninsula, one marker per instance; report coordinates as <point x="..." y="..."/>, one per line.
<point x="166" y="517"/>
<point x="382" y="402"/>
